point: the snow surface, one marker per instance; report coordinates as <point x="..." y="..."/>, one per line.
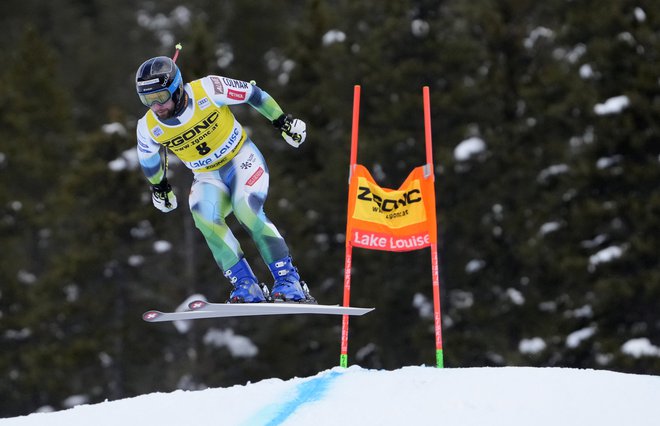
<point x="506" y="396"/>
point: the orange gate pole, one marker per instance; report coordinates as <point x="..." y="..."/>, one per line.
<point x="343" y="357"/>
<point x="435" y="270"/>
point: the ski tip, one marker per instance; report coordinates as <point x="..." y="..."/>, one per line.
<point x="196" y="305"/>
<point x="151" y="316"/>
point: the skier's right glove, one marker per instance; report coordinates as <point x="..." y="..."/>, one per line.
<point x="163" y="197"/>
<point x="294" y="131"/>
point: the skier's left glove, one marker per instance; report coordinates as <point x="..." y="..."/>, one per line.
<point x="163" y="197"/>
<point x="294" y="131"/>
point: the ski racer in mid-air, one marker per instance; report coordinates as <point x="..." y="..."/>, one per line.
<point x="194" y="122"/>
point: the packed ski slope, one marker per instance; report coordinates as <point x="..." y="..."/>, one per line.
<point x="507" y="396"/>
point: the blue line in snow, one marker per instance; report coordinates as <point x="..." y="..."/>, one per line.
<point x="308" y="391"/>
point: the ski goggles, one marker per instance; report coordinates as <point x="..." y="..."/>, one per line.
<point x="161" y="96"/>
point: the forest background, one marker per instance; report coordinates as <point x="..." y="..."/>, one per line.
<point x="545" y="119"/>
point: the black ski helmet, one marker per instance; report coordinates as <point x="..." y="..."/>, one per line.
<point x="157" y="80"/>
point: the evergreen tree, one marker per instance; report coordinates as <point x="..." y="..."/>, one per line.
<point x="613" y="208"/>
<point x="36" y="140"/>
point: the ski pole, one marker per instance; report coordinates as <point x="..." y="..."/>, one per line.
<point x="178" y="48"/>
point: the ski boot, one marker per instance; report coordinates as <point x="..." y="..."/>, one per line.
<point x="246" y="288"/>
<point x="288" y="287"/>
